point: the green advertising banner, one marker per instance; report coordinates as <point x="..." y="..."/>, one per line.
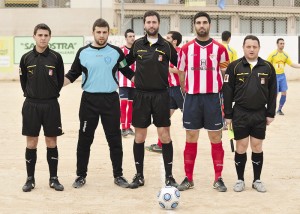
<point x="67" y="46"/>
<point x="6" y="54"/>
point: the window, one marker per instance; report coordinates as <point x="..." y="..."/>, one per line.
<point x="267" y="26"/>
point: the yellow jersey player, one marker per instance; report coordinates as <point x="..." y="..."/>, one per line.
<point x="279" y="58"/>
<point x="226" y="37"/>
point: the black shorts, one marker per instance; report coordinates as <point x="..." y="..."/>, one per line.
<point x="249" y="122"/>
<point x="37" y="113"/>
<point x="126" y="93"/>
<point x="202" y="111"/>
<point x="176" y="98"/>
<point x="147" y="104"/>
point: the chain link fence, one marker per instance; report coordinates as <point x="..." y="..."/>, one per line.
<point x="37" y="3"/>
<point x="241" y="17"/>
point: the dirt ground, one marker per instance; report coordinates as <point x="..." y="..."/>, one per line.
<point x="281" y="170"/>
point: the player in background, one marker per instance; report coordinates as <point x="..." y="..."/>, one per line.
<point x="201" y="63"/>
<point x="41" y="77"/>
<point x="250" y="82"/>
<point x="126" y="89"/>
<point x="278" y="58"/>
<point x="232" y="54"/>
<point x="176" y="95"/>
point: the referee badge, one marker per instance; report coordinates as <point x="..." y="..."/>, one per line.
<point x="160" y="58"/>
<point x="50" y="72"/>
<point x="262" y="81"/>
<point x="226" y="78"/>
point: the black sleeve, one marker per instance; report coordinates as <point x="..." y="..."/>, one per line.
<point x="76" y="68"/>
<point x="130" y="58"/>
<point x="60" y="72"/>
<point x="123" y="66"/>
<point x="271" y="106"/>
<point x="228" y="91"/>
<point x="173" y="55"/>
<point x="23" y="73"/>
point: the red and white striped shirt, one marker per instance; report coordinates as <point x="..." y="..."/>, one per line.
<point x="123" y="81"/>
<point x="173" y="78"/>
<point x="202" y="66"/>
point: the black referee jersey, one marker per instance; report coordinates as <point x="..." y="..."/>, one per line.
<point x="41" y="74"/>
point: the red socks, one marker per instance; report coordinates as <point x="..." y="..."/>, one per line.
<point x="190" y="153"/>
<point x="159" y="143"/>
<point x="126" y="113"/>
<point x="217" y="154"/>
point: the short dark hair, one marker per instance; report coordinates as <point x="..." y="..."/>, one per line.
<point x="176" y="36"/>
<point x="128" y="31"/>
<point x="43" y="27"/>
<point x="151" y="13"/>
<point x="200" y="14"/>
<point x="279" y="39"/>
<point x="252" y="37"/>
<point x="100" y="23"/>
<point x="226" y="35"/>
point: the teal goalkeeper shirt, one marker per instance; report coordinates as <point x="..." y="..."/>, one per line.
<point x="99" y="67"/>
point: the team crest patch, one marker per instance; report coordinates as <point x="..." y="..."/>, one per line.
<point x="50" y="72"/>
<point x="212" y="56"/>
<point x="160" y="58"/>
<point x="226" y="78"/>
<point x="107" y="60"/>
<point x="262" y="81"/>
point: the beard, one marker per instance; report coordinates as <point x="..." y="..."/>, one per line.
<point x="202" y="33"/>
<point x="100" y="42"/>
<point x="153" y="33"/>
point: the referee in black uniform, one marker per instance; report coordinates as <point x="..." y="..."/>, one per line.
<point x="250" y="82"/>
<point x="42" y="77"/>
<point x="152" y="54"/>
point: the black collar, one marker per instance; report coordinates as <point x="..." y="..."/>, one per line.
<point x="45" y="53"/>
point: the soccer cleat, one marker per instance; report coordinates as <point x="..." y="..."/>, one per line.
<point x="130" y="131"/>
<point x="121" y="181"/>
<point x="79" y="182"/>
<point x="239" y="186"/>
<point x="137" y="181"/>
<point x="54" y="183"/>
<point x="185" y="185"/>
<point x="29" y="185"/>
<point x="258" y="185"/>
<point x="279" y="112"/>
<point x="154" y="148"/>
<point x="170" y="181"/>
<point x="124" y="132"/>
<point x="219" y="185"/>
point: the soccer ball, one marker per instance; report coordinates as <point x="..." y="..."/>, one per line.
<point x="168" y="197"/>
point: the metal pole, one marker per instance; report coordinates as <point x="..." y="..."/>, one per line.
<point x="122" y="16"/>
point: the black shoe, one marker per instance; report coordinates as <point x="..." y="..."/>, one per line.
<point x="280" y="112"/>
<point x="54" y="183"/>
<point x="219" y="185"/>
<point x="170" y="181"/>
<point x="29" y="185"/>
<point x="185" y="185"/>
<point x="137" y="181"/>
<point x="130" y="131"/>
<point x="79" y="182"/>
<point x="121" y="181"/>
<point x="124" y="132"/>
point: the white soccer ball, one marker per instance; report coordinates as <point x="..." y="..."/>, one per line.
<point x="168" y="197"/>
